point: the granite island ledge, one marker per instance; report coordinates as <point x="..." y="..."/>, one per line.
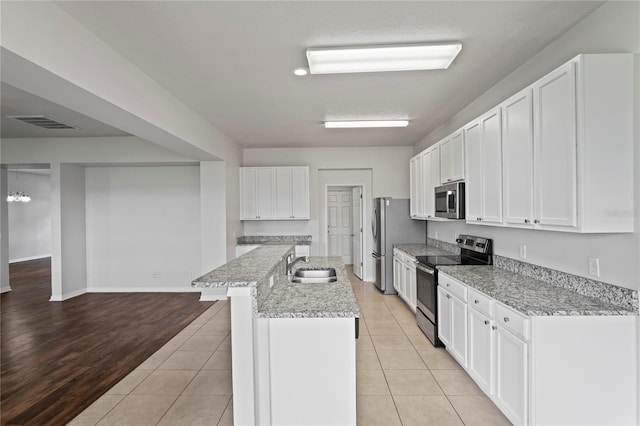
<point x="285" y="299"/>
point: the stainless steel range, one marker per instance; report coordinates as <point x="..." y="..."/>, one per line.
<point x="473" y="251"/>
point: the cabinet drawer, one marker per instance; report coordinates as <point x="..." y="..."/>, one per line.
<point x="480" y="302"/>
<point x="512" y="320"/>
<point x="452" y="286"/>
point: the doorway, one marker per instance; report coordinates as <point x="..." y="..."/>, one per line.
<point x="344" y="216"/>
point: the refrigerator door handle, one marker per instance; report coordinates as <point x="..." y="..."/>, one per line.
<point x="376" y="256"/>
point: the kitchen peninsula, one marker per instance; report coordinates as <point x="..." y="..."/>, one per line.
<point x="293" y="344"/>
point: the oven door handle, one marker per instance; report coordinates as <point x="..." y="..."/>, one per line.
<point x="424" y="269"/>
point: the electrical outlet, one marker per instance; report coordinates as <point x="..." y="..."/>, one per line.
<point x="523" y="251"/>
<point x="594" y="266"/>
<point x="155" y="275"/>
<point x="436" y="237"/>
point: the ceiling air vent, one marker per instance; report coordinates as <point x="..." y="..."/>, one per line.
<point x="41" y="121"/>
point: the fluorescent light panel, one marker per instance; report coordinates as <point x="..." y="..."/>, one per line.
<point x="409" y="57"/>
<point x="365" y="124"/>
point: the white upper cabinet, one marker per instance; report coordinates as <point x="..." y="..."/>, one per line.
<point x="484" y="169"/>
<point x="292" y="193"/>
<point x="568" y="148"/>
<point x="517" y="158"/>
<point x="452" y="158"/>
<point x="431" y="172"/>
<point x="416" y="187"/>
<point x="257" y="186"/>
<point x="274" y="193"/>
<point x="554" y="134"/>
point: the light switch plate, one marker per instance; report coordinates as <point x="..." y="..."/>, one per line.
<point x="523" y="251"/>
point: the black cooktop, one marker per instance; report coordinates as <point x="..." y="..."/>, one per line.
<point x="449" y="260"/>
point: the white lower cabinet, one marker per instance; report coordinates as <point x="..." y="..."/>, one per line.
<point x="452" y="317"/>
<point x="481" y="364"/>
<point x="543" y="370"/>
<point x="404" y="277"/>
<point x="511" y="366"/>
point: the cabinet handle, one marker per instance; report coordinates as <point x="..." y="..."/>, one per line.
<point x="493" y="327"/>
<point x="476" y="301"/>
<point x="527" y="221"/>
<point x="448" y="285"/>
<point x="536" y="221"/>
<point x="449" y="180"/>
<point x="448" y="297"/>
<point x="291" y="217"/>
<point x="506" y="319"/>
<point x="486" y="322"/>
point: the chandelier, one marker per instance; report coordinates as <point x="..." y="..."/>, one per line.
<point x="18" y="196"/>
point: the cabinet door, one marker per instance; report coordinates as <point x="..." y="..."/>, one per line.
<point x="457" y="156"/>
<point x="427" y="182"/>
<point x="413" y="196"/>
<point x="435" y="176"/>
<point x="458" y="340"/>
<point x="480" y="351"/>
<point x="517" y="158"/>
<point x="444" y="316"/>
<point x="491" y="167"/>
<point x="249" y="189"/>
<point x="554" y="103"/>
<point x="300" y="192"/>
<point x="473" y="186"/>
<point x="419" y="188"/>
<point x="411" y="287"/>
<point x="446" y="159"/>
<point x="398" y="272"/>
<point x="283" y="193"/>
<point x="511" y="375"/>
<point x="266" y="192"/>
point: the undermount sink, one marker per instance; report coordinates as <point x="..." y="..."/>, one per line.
<point x="314" y="276"/>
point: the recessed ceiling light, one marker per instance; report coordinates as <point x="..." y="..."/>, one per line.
<point x="365" y="124"/>
<point x="300" y="71"/>
<point x="410" y="57"/>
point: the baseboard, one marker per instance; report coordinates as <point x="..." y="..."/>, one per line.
<point x="67" y="296"/>
<point x="212" y="297"/>
<point x="5" y="289"/>
<point x="24" y="259"/>
<point x="142" y="290"/>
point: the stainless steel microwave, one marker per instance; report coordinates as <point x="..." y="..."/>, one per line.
<point x="449" y="200"/>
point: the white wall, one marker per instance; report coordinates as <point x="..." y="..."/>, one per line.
<point x="389" y="168"/>
<point x="143" y="228"/>
<point x="4" y="233"/>
<point x="614" y="27"/>
<point x="30" y="223"/>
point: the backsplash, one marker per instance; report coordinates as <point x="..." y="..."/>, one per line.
<point x="619" y="296"/>
<point x="443" y="245"/>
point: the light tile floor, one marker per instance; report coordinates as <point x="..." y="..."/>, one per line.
<point x="401" y="378"/>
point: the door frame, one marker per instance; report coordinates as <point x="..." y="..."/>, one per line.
<point x="350" y="186"/>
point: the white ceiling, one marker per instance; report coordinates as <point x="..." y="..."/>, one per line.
<point x="231" y="61"/>
<point x="18" y="102"/>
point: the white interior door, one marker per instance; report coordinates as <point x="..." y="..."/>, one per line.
<point x="357" y="231"/>
<point x="339" y="223"/>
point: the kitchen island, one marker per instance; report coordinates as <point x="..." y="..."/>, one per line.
<point x="293" y="344"/>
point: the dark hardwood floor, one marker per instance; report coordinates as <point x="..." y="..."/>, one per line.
<point x="59" y="357"/>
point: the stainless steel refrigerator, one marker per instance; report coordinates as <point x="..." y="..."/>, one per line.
<point x="391" y="224"/>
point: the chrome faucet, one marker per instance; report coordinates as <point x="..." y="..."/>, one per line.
<point x="292" y="260"/>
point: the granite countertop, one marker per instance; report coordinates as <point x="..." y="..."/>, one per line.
<point x="421" y="250"/>
<point x="530" y="296"/>
<point x="246" y="270"/>
<point x="301" y="240"/>
<point x="285" y="299"/>
<point x="295" y="300"/>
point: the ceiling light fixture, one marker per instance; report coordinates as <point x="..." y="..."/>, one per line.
<point x="365" y="124"/>
<point x="409" y="57"/>
<point x="301" y="71"/>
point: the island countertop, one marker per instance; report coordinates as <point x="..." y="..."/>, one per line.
<point x="285" y="299"/>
